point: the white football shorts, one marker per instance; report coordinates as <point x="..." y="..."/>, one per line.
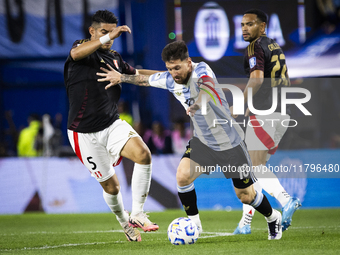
<point x="100" y="151"/>
<point x="264" y="132"/>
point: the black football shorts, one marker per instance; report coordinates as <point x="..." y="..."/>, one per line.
<point x="235" y="163"/>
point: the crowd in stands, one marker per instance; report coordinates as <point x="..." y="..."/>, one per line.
<point x="43" y="136"/>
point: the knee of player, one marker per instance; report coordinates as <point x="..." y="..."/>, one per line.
<point x="112" y="189"/>
<point x="144" y="156"/>
<point x="182" y="177"/>
<point x="245" y="198"/>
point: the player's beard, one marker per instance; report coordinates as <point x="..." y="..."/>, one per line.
<point x="249" y="39"/>
<point x="104" y="48"/>
<point x="187" y="78"/>
<point x="253" y="37"/>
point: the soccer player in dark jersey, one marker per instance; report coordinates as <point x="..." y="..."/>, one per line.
<point x="266" y="68"/>
<point x="223" y="145"/>
<point x="97" y="135"/>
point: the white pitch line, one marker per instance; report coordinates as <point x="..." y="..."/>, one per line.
<point x="159" y="232"/>
<point x="204" y="235"/>
<point x="59" y="246"/>
<point x="210" y="235"/>
<point x="215" y="234"/>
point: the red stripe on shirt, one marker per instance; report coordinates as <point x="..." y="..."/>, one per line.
<point x="261" y="133"/>
<point x="206" y="79"/>
<point x="118" y="161"/>
<point x="76" y="146"/>
<point x="272" y="151"/>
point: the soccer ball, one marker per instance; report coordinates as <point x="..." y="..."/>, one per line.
<point x="182" y="231"/>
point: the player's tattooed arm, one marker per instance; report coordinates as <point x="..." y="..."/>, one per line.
<point x="114" y="77"/>
<point x="137" y="79"/>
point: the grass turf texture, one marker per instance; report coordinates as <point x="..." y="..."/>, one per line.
<point x="312" y="232"/>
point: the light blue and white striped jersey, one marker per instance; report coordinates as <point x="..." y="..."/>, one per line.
<point x="217" y="137"/>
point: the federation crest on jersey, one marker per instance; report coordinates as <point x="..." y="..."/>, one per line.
<point x="116" y="63"/>
<point x="252" y="62"/>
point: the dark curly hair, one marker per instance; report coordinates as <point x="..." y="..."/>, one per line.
<point x="104" y="16"/>
<point x="262" y="16"/>
<point x="175" y="50"/>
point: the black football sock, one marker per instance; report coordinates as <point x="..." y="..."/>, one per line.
<point x="187" y="195"/>
<point x="262" y="205"/>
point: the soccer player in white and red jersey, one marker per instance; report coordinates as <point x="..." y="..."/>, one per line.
<point x="96" y="133"/>
<point x="190" y="83"/>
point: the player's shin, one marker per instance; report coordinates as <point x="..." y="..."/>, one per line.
<point x="187" y="195"/>
<point x="115" y="202"/>
<point x="248" y="210"/>
<point x="270" y="183"/>
<point x="140" y="185"/>
<point x="261" y="204"/>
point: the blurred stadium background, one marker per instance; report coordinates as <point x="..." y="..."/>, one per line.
<point x="36" y="37"/>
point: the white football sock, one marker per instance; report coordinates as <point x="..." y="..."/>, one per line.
<point x="272" y="186"/>
<point x="283" y="197"/>
<point x="196" y="219"/>
<point x="140" y="185"/>
<point x="248" y="210"/>
<point x="275" y="214"/>
<point x="247" y="216"/>
<point x="115" y="202"/>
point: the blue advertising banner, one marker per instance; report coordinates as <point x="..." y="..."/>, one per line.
<point x="310" y="175"/>
<point x="41" y="28"/>
<point x="64" y="185"/>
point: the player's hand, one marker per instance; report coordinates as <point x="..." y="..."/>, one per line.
<point x="192" y="110"/>
<point x="231" y="109"/>
<point x="247" y="113"/>
<point x="110" y="75"/>
<point x="118" y="31"/>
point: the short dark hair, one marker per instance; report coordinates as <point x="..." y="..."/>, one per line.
<point x="175" y="50"/>
<point x="262" y="16"/>
<point x="104" y="16"/>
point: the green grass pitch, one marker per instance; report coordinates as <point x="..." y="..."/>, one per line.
<point x="312" y="232"/>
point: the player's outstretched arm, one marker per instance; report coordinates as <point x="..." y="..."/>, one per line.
<point x="198" y="104"/>
<point x="115" y="78"/>
<point x="205" y="86"/>
<point x="87" y="48"/>
<point x="255" y="82"/>
<point x="147" y="72"/>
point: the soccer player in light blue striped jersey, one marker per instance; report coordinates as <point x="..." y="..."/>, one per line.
<point x="193" y="84"/>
